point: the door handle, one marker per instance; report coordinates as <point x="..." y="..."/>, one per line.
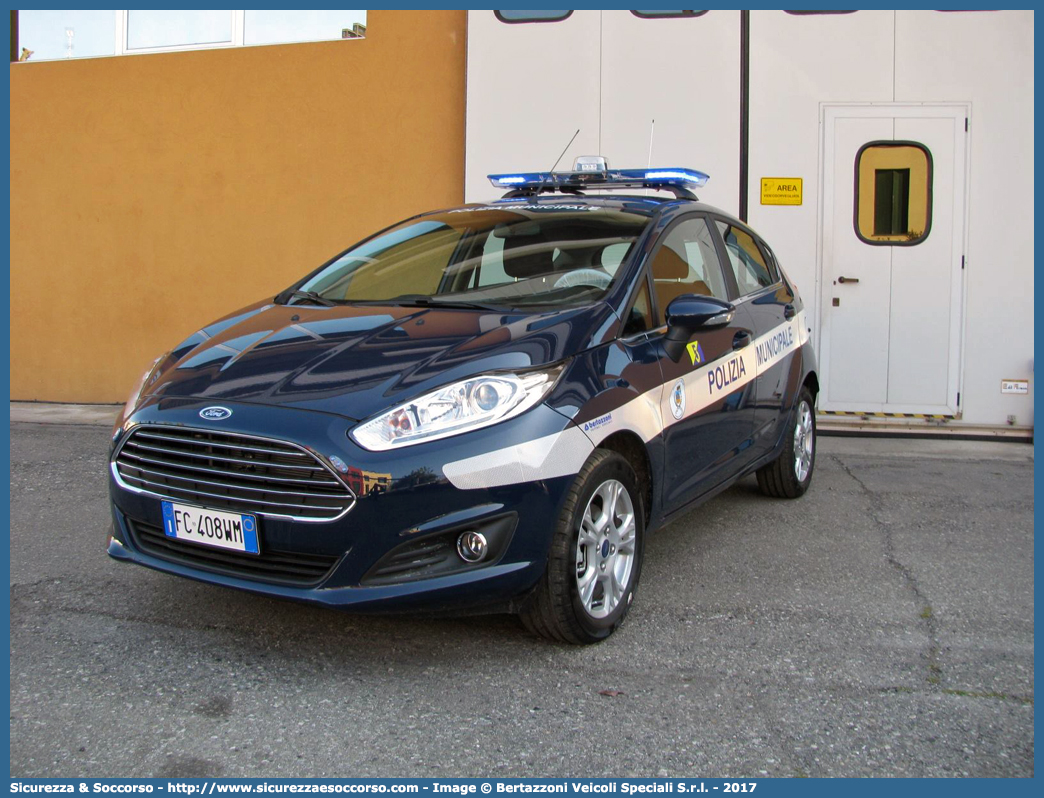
<point x="848" y="279"/>
<point x="741" y="339"/>
<point x="789" y="312"/>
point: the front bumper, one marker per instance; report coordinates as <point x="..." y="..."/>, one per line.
<point x="379" y="555"/>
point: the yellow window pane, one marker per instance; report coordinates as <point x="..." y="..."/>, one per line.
<point x="893" y="202"/>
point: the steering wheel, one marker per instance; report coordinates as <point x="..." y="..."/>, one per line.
<point x="592" y="277"/>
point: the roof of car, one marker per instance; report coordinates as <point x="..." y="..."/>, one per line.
<point x="634" y="203"/>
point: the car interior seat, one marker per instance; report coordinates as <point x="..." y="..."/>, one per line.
<point x="671" y="277"/>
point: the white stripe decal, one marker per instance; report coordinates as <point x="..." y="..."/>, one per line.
<point x="647" y="415"/>
<point x="710" y="383"/>
<point x="557" y="455"/>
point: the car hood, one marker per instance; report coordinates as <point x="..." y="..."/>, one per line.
<point x="356" y="360"/>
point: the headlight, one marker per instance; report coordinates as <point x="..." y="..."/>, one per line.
<point x="461" y="407"/>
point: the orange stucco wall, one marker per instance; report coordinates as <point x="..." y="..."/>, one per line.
<point x="151" y="194"/>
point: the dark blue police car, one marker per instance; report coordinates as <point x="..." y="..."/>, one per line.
<point x="484" y="407"/>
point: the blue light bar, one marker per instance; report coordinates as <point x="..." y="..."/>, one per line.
<point x="662" y="177"/>
<point x="518" y="179"/>
<point x="672" y="176"/>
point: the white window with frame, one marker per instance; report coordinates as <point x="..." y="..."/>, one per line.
<point x="55" y="35"/>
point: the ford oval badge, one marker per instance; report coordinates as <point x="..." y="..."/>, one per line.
<point x="215" y="413"/>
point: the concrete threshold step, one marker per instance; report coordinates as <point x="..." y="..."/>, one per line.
<point x="870" y="426"/>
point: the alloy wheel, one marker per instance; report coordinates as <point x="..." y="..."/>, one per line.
<point x="605" y="549"/>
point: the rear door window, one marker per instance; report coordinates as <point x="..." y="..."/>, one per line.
<point x="748" y="263"/>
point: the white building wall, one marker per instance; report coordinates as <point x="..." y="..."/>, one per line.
<point x="685" y="74"/>
<point x="986" y="58"/>
<point x="798" y="62"/>
<point x="609" y="73"/>
<point x="530" y="86"/>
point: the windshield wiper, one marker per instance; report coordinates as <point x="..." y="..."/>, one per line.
<point x="285" y="298"/>
<point x="423" y="301"/>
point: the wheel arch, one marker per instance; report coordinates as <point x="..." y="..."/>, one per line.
<point x="628" y="445"/>
<point x="812" y="383"/>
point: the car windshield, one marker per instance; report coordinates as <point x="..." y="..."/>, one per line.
<point x="497" y="256"/>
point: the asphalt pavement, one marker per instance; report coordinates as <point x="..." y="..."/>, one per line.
<point x="882" y="625"/>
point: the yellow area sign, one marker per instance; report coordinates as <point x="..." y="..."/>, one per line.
<point x="781" y="191"/>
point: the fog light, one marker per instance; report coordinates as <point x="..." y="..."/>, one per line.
<point x="471" y="546"/>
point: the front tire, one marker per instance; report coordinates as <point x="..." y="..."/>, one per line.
<point x="595" y="558"/>
<point x="790" y="474"/>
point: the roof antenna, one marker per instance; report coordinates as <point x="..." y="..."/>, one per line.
<point x="550" y="174"/>
<point x="652" y="129"/>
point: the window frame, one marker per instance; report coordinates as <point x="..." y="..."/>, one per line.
<point x="237" y="21"/>
<point x="930" y="195"/>
<point x="763" y="248"/>
<point x="675" y="15"/>
<point x="773" y="263"/>
<point x="533" y="21"/>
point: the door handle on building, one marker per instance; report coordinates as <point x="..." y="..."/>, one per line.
<point x="848" y="279"/>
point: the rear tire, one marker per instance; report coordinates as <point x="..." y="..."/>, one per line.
<point x="789" y="475"/>
<point x="595" y="558"/>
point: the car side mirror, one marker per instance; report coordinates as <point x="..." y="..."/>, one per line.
<point x="690" y="313"/>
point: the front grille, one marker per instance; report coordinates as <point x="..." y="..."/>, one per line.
<point x="228" y="471"/>
<point x="282" y="567"/>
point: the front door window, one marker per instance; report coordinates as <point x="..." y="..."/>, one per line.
<point x="687" y="263"/>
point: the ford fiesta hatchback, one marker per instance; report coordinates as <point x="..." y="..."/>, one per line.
<point x="485" y="407"/>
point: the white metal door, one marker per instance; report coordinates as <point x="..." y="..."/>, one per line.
<point x="890" y="316"/>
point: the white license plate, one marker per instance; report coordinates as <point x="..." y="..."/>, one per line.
<point x="210" y="527"/>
